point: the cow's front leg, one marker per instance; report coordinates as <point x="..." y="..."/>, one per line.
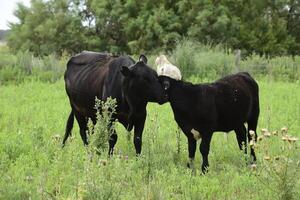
<point x="112" y="141"/>
<point x="138" y="131"/>
<point x="204" y="149"/>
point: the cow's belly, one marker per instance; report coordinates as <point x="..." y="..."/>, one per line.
<point x="83" y="110"/>
<point x="83" y="104"/>
<point x="86" y="108"/>
<point x="231" y="120"/>
<point x="226" y="127"/>
<point x="122" y="117"/>
<point x="225" y="123"/>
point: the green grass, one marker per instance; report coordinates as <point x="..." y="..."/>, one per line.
<point x="33" y="165"/>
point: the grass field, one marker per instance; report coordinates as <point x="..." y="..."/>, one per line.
<point x="33" y="165"/>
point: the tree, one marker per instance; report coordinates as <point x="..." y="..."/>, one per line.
<point x="47" y="27"/>
<point x="127" y="26"/>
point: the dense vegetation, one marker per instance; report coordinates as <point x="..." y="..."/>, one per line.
<point x="196" y="61"/>
<point x="265" y="27"/>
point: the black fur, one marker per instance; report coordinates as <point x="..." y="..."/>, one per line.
<point x="224" y="105"/>
<point x="133" y="84"/>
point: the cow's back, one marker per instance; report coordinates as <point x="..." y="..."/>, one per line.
<point x="235" y="97"/>
<point x="85" y="73"/>
<point x="90" y="75"/>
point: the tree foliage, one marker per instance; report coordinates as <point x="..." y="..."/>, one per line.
<point x="265" y="27"/>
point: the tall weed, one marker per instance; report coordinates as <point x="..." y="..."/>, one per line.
<point x="279" y="167"/>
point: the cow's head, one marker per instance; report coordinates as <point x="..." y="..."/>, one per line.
<point x="141" y="83"/>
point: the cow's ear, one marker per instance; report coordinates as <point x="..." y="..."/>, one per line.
<point x="143" y="58"/>
<point x="126" y="71"/>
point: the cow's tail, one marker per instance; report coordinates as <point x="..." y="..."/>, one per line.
<point x="69" y="127"/>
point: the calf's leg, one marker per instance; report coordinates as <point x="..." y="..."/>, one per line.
<point x="192" y="143"/>
<point x="241" y="137"/>
<point x="204" y="149"/>
<point x="252" y="124"/>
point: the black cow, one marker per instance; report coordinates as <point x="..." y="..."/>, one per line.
<point x="101" y="75"/>
<point x="224" y="105"/>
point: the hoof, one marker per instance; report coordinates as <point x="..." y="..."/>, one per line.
<point x="204" y="171"/>
<point x="190" y="166"/>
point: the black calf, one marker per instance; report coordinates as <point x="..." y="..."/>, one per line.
<point x="224" y="105"/>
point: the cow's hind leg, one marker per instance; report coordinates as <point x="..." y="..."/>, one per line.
<point x="69" y="127"/>
<point x="241" y="137"/>
<point x="82" y="122"/>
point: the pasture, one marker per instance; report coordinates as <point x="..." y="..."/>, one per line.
<point x="207" y="40"/>
<point x="33" y="165"/>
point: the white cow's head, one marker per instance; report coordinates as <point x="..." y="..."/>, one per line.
<point x="166" y="68"/>
<point x="167" y="72"/>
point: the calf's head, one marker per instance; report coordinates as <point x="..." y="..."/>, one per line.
<point x="141" y="83"/>
<point x="166" y="82"/>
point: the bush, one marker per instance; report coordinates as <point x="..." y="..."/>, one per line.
<point x="6" y="59"/>
<point x="202" y="61"/>
<point x="278" y="68"/>
<point x="15" y="69"/>
<point x="25" y="62"/>
<point x="211" y="62"/>
<point x="184" y="56"/>
<point x="10" y="75"/>
<point x="195" y="60"/>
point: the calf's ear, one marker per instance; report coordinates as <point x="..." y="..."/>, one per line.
<point x="143" y="58"/>
<point x="126" y="71"/>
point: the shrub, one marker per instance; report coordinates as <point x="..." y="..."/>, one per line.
<point x="10" y="75"/>
<point x="15" y="69"/>
<point x="102" y="130"/>
<point x="209" y="62"/>
<point x="184" y="56"/>
<point x="25" y="62"/>
<point x="202" y="61"/>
